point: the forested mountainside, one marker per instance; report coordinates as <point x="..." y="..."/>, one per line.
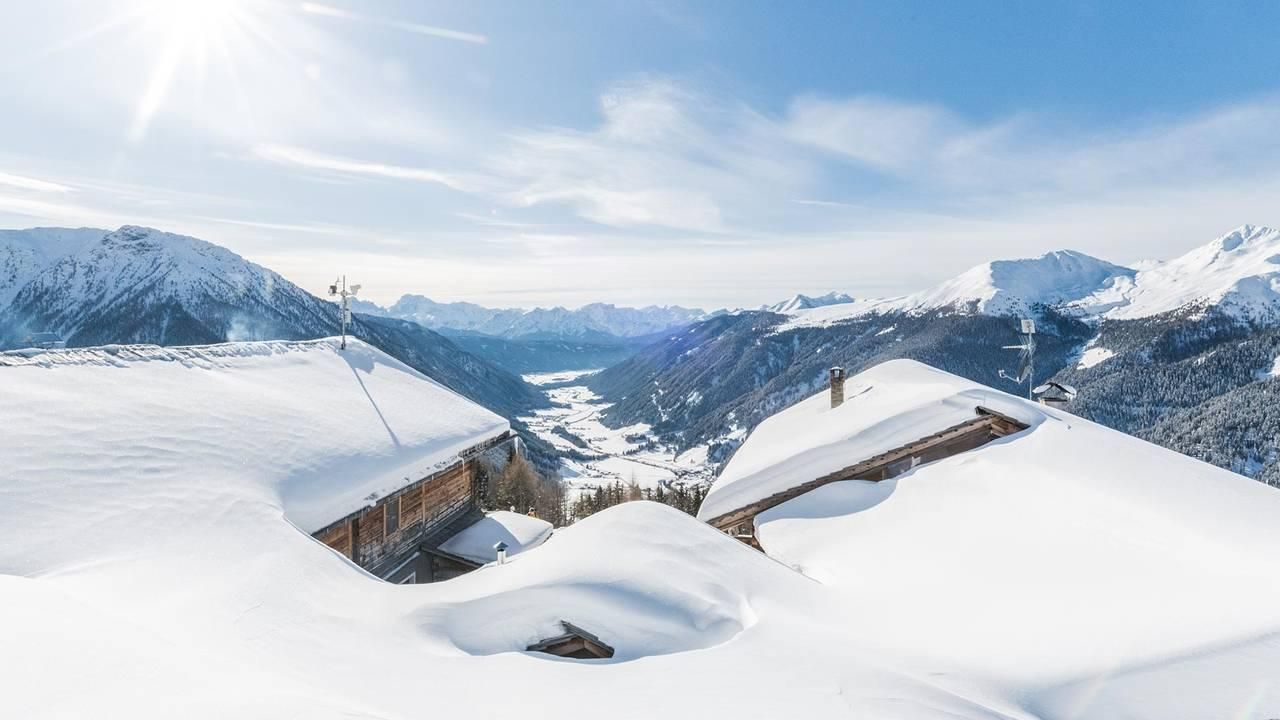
<point x="1198" y="383"/>
<point x="139" y="285"/>
<point x="721" y="377"/>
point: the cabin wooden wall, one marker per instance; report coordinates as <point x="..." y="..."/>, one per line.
<point x="396" y="523"/>
<point x="382" y="537"/>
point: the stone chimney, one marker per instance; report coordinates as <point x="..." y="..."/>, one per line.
<point x="837" y="386"/>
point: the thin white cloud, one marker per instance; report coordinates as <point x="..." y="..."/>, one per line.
<point x="417" y="28"/>
<point x="310" y="159"/>
<point x="23" y="182"/>
<point x="662" y="157"/>
<point x="287" y="227"/>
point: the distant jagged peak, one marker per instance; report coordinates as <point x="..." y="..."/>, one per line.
<point x="800" y="301"/>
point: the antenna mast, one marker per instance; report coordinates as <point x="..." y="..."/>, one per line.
<point x="339" y="289"/>
<point x="1027" y="372"/>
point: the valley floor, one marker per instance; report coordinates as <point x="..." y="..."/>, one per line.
<point x="605" y="455"/>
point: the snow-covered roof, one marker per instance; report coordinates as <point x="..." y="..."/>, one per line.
<point x="318" y="431"/>
<point x="518" y="532"/>
<point x="886" y="407"/>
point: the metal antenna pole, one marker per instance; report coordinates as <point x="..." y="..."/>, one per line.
<point x="1031" y="366"/>
<point x="339" y="289"/>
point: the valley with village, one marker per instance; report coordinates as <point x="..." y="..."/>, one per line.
<point x="596" y="455"/>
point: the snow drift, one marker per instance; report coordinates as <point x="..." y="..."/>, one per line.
<point x="155" y="504"/>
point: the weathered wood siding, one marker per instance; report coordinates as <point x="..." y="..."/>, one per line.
<point x="396" y="525"/>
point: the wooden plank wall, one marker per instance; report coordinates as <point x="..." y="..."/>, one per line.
<point x="424" y="506"/>
<point x="362" y="536"/>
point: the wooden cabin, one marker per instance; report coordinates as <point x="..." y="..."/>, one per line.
<point x="575" y="643"/>
<point x="1055" y="394"/>
<point x="398" y="537"/>
<point x="985" y="426"/>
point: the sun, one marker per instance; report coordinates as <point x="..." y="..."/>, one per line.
<point x="191" y="34"/>
<point x="196" y="20"/>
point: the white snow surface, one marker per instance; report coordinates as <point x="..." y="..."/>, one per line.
<point x="149" y="568"/>
<point x="885" y="407"/>
<point x="24" y="254"/>
<point x="519" y="532"/>
<point x="1092" y="356"/>
<point x="1072" y="559"/>
<point x="313" y="430"/>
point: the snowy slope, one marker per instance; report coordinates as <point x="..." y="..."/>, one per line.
<point x="1084" y="566"/>
<point x="126" y="281"/>
<point x="155" y="504"/>
<point x="1239" y="273"/>
<point x="151" y="552"/>
<point x="24" y="254"/>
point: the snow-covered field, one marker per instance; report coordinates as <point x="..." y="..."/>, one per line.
<point x="617" y="455"/>
<point x="152" y="566"/>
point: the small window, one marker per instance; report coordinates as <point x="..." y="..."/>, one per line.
<point x="393" y="515"/>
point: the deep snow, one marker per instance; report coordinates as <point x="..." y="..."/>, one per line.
<point x="518" y="532"/>
<point x="149" y="568"/>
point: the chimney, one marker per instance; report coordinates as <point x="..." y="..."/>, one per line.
<point x="501" y="548"/>
<point x="837" y="386"/>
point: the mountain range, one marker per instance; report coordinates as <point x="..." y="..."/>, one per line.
<point x="597" y="321"/>
<point x="1182" y="352"/>
<point x="1172" y="351"/>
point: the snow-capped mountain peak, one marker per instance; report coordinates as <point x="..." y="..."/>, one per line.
<point x="1014" y="287"/>
<point x="1000" y="287"/>
<point x="132" y="283"/>
<point x="806" y="302"/>
<point x="1239" y="273"/>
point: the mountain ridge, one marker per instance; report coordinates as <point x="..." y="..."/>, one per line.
<point x="142" y="285"/>
<point x="1238" y="271"/>
<point x="594" y="321"/>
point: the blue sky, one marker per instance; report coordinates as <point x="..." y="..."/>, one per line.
<point x="704" y="153"/>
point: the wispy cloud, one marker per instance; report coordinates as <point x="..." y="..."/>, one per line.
<point x="287" y="227"/>
<point x="412" y="27"/>
<point x="29" y="183"/>
<point x="662" y="157"/>
<point x="310" y="159"/>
